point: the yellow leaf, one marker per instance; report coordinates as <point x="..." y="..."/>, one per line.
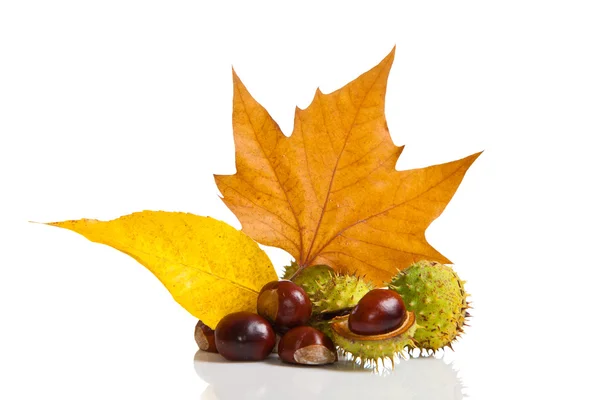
<point x="209" y="267"/>
<point x="330" y="193"/>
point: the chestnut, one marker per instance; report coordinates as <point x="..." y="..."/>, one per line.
<point x="244" y="336"/>
<point x="379" y="311"/>
<point x="205" y="337"/>
<point x="284" y="304"/>
<point x="306" y="345"/>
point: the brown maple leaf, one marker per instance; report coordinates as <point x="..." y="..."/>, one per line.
<point x="330" y="193"/>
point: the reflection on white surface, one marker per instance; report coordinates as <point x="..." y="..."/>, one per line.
<point x="415" y="379"/>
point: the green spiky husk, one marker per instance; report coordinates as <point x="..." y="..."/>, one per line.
<point x="290" y="270"/>
<point x="329" y="291"/>
<point x="339" y="293"/>
<point x="311" y="277"/>
<point x="436" y="295"/>
<point x="369" y="352"/>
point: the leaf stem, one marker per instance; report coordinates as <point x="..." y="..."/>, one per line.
<point x="300" y="269"/>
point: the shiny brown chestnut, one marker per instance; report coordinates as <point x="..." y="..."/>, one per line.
<point x="244" y="336"/>
<point x="205" y="337"/>
<point x="306" y="345"/>
<point x="379" y="311"/>
<point x="284" y="304"/>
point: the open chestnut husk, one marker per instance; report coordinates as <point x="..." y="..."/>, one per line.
<point x="368" y="349"/>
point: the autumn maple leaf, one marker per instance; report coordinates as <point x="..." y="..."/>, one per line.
<point x="330" y="193"/>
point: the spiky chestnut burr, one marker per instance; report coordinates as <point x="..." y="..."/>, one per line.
<point x="369" y="349"/>
<point x="329" y="292"/>
<point x="290" y="270"/>
<point x="341" y="292"/>
<point x="316" y="274"/>
<point x="437" y="296"/>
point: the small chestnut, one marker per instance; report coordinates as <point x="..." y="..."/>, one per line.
<point x="205" y="337"/>
<point x="284" y="304"/>
<point x="379" y="311"/>
<point x="306" y="345"/>
<point x="244" y="336"/>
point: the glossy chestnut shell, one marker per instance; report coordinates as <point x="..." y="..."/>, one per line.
<point x="244" y="336"/>
<point x="379" y="311"/>
<point x="308" y="346"/>
<point x="205" y="337"/>
<point x="284" y="304"/>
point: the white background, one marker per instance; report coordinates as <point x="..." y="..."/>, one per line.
<point x="117" y="106"/>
